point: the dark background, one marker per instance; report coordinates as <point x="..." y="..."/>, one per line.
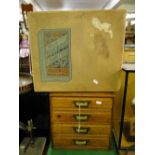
<point x="35" y="106"/>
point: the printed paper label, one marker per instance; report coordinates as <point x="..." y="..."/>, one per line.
<point x="54" y="52"/>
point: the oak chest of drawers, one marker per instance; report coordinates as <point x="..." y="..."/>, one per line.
<point x="81" y="120"/>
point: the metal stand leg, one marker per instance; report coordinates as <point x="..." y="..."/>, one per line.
<point x="123" y="110"/>
<point x="115" y="142"/>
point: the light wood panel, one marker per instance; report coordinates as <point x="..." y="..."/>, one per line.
<point x="129" y="113"/>
<point x="129" y="55"/>
<point x="85" y="129"/>
<point x="83" y="116"/>
<point x="84" y="103"/>
<point x="80" y="142"/>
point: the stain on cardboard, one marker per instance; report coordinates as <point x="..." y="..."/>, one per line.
<point x="102" y="26"/>
<point x="101" y="46"/>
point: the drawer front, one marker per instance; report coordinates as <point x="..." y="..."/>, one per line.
<point x="82" y="117"/>
<point x="101" y="142"/>
<point x="82" y="130"/>
<point x="83" y="103"/>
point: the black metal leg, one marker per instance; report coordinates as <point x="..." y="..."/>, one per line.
<point x="115" y="142"/>
<point x="123" y="110"/>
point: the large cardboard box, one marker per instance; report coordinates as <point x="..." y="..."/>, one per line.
<point x="77" y="50"/>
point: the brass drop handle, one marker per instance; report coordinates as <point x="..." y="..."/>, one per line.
<point x="80" y="142"/>
<point x="81" y="104"/>
<point x="81" y="130"/>
<point x="81" y="117"/>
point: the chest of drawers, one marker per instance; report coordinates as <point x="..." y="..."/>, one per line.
<point x="81" y="120"/>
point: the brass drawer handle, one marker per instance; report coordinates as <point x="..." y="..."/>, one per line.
<point x="80" y="142"/>
<point x="81" y="130"/>
<point x="81" y="117"/>
<point x="81" y="104"/>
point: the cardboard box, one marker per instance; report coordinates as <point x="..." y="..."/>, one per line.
<point x="77" y="50"/>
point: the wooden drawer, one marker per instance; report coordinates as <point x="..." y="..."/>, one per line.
<point x="83" y="116"/>
<point x="81" y="120"/>
<point x="82" y="102"/>
<point x="80" y="142"/>
<point x="83" y="130"/>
